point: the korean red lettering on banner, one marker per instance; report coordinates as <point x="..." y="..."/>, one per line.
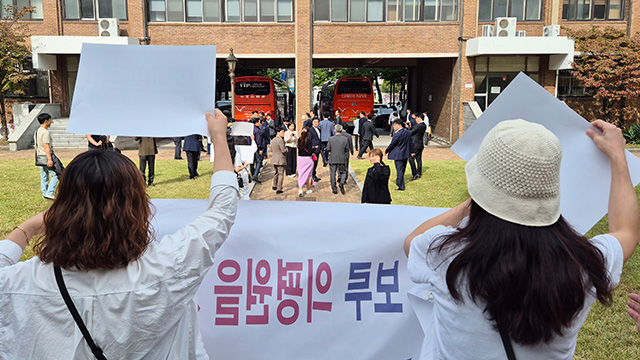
<point x="299" y="286"/>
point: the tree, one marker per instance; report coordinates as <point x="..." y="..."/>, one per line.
<point x="392" y="75"/>
<point x="609" y="67"/>
<point x="13" y="54"/>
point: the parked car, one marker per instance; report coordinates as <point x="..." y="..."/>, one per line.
<point x="224" y="106"/>
<point x="381" y="114"/>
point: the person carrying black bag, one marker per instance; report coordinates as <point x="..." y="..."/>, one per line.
<point x="50" y="166"/>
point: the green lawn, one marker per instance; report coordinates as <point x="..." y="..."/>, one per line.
<point x="607" y="334"/>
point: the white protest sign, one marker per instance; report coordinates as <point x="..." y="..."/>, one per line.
<point x="289" y="285"/>
<point x="242" y="128"/>
<point x="585" y="173"/>
<point x="151" y="91"/>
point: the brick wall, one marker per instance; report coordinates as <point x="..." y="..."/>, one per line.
<point x="304" y="42"/>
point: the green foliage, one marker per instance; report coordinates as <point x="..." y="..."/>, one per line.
<point x="389" y="75"/>
<point x="13" y="54"/>
<point x="632" y="134"/>
<point x="609" y="66"/>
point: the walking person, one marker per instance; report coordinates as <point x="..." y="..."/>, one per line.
<point x="368" y="130"/>
<point x="44" y="146"/>
<point x="399" y="150"/>
<point x="327" y="130"/>
<point x="316" y="146"/>
<point x="291" y="142"/>
<point x="338" y="117"/>
<point x="147" y="151"/>
<point x="278" y="159"/>
<point x="135" y="294"/>
<point x="417" y="137"/>
<point x="177" y="141"/>
<point x="338" y="150"/>
<point x="361" y="120"/>
<point x="356" y="132"/>
<point x="376" y="182"/>
<point x="193" y="146"/>
<point x="260" y="139"/>
<point x="505" y="268"/>
<point x="305" y="162"/>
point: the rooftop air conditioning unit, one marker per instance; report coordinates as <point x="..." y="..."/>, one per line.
<point x="551" y="31"/>
<point x="506" y="26"/>
<point x="108" y="27"/>
<point x="488" y="30"/>
<point x="521" y="33"/>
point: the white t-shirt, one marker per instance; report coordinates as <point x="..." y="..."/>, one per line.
<point x="42" y="136"/>
<point x="143" y="311"/>
<point x="461" y="331"/>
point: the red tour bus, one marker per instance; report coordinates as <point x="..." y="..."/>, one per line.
<point x="350" y="95"/>
<point x="259" y="93"/>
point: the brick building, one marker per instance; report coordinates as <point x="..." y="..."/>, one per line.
<point x="449" y="62"/>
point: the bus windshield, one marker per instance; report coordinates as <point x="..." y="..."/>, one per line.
<point x="253" y="88"/>
<point x="353" y="86"/>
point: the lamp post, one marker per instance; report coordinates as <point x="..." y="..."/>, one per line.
<point x="232" y="61"/>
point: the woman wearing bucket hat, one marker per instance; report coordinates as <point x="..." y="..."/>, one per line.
<point x="504" y="269"/>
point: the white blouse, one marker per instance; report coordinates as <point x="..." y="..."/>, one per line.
<point x="143" y="311"/>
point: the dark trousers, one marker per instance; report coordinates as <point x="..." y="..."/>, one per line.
<point x="315" y="166"/>
<point x="292" y="160"/>
<point x="401" y="166"/>
<point x="365" y="144"/>
<point x="416" y="163"/>
<point x="356" y="141"/>
<point x="323" y="151"/>
<point x="342" y="174"/>
<point x="151" y="159"/>
<point x="178" y="151"/>
<point x="257" y="165"/>
<point x="278" y="177"/>
<point x="192" y="163"/>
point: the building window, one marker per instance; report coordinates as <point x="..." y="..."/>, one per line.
<point x="494" y="73"/>
<point x="95" y="9"/>
<point x="36" y="14"/>
<point x="592" y="9"/>
<point x="385" y="10"/>
<point x="569" y="86"/>
<point x="221" y="10"/>
<point x="37" y="86"/>
<point x="523" y="10"/>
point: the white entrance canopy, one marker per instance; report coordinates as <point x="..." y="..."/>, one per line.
<point x="559" y="49"/>
<point x="45" y="48"/>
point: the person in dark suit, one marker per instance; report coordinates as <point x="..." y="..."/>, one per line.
<point x="326" y="127"/>
<point x="400" y="149"/>
<point x="338" y="149"/>
<point x="307" y="122"/>
<point x="177" y="141"/>
<point x="417" y="137"/>
<point x="376" y="183"/>
<point x="338" y="118"/>
<point x="314" y="139"/>
<point x="361" y="120"/>
<point x="261" y="152"/>
<point x="192" y="146"/>
<point x="368" y="130"/>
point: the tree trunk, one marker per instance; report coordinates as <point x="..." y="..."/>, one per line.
<point x="4" y="131"/>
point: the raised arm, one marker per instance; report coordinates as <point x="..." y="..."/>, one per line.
<point x="451" y="217"/>
<point x="217" y="127"/>
<point x="624" y="215"/>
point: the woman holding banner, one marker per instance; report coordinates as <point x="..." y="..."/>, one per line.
<point x="504" y="269"/>
<point x="131" y="296"/>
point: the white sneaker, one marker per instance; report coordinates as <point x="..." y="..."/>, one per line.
<point x="308" y="191"/>
<point x="49" y="197"/>
<point x="300" y="193"/>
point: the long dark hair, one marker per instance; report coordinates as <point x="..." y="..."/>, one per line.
<point x="531" y="280"/>
<point x="100" y="218"/>
<point x="304" y="137"/>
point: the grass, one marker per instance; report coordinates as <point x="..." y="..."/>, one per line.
<point x="608" y="332"/>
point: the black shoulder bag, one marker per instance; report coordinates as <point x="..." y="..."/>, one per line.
<point x="506" y="342"/>
<point x="95" y="349"/>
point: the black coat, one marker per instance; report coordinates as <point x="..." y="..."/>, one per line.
<point x="417" y="135"/>
<point x="376" y="185"/>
